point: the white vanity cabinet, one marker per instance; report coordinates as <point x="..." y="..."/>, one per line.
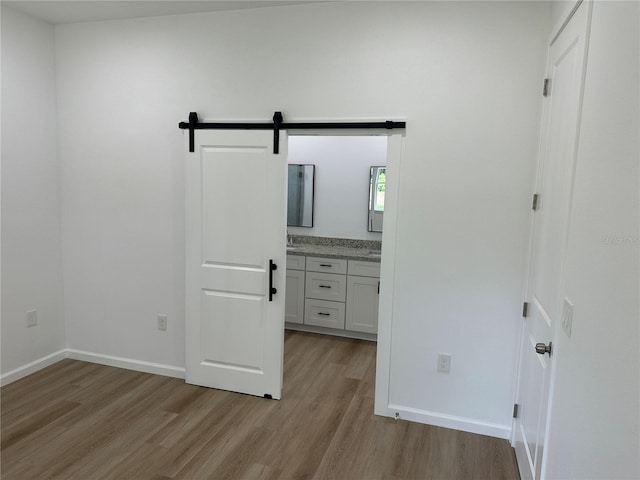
<point x="339" y="296"/>
<point x="363" y="288"/>
<point x="294" y="303"/>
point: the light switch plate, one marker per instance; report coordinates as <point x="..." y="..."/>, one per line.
<point x="567" y="316"/>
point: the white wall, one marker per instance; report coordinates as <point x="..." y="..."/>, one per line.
<point x="465" y="75"/>
<point x="341" y="182"/>
<point x="595" y="409"/>
<point x="31" y="242"/>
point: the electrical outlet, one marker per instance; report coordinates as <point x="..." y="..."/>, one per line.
<point x="32" y="318"/>
<point x="444" y="362"/>
<point x="567" y="316"/>
<point x="162" y="323"/>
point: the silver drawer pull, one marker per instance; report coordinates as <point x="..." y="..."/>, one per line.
<point x="326" y="265"/>
<point x="324" y="314"/>
<point x="324" y="286"/>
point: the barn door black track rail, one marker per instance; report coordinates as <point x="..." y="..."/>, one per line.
<point x="193" y="124"/>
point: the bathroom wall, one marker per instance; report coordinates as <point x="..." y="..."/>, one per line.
<point x="341" y="182"/>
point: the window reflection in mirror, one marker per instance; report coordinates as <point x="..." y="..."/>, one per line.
<point x="300" y="195"/>
<point x="377" y="183"/>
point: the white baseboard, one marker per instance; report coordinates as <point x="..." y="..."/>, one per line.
<point x="32" y="367"/>
<point x="129" y="364"/>
<point x="330" y="331"/>
<point x="449" y="421"/>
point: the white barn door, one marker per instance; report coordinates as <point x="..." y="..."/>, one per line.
<point x="565" y="69"/>
<point x="235" y="225"/>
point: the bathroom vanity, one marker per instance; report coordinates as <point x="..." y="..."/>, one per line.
<point x="333" y="287"/>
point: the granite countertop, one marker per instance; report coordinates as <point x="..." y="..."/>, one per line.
<point x="344" y="248"/>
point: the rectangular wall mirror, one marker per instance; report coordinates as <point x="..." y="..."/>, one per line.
<point x="377" y="180"/>
<point x="300" y="195"/>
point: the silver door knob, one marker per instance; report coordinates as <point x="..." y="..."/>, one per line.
<point x="541" y="348"/>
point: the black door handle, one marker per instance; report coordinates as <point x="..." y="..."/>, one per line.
<point x="272" y="289"/>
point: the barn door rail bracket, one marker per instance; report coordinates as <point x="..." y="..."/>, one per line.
<point x="277" y="124"/>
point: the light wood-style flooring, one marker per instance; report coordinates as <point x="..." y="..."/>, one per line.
<point x="77" y="420"/>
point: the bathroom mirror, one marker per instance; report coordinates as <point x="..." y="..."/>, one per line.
<point x="300" y="195"/>
<point x="377" y="178"/>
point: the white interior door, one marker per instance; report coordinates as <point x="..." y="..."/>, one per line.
<point x="235" y="224"/>
<point x="565" y="70"/>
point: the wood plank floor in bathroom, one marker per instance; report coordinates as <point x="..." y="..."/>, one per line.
<point x="77" y="420"/>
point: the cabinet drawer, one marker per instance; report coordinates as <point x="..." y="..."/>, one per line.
<point x="326" y="286"/>
<point x="328" y="265"/>
<point x="295" y="262"/>
<point x="324" y="314"/>
<point x="364" y="269"/>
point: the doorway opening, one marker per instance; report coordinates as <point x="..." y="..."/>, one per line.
<point x="337" y="283"/>
<point x="335" y="182"/>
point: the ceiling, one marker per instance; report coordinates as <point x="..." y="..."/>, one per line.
<point x="73" y="11"/>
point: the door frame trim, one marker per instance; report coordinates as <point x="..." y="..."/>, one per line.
<point x="565" y="22"/>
